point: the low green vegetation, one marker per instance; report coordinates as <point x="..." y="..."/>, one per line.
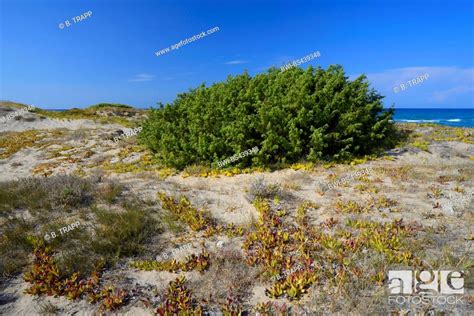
<point x="194" y="262"/>
<point x="15" y="105"/>
<point x="123" y="234"/>
<point x="12" y="142"/>
<point x="52" y="203"/>
<point x="59" y="193"/>
<point x="119" y="114"/>
<point x="122" y="114"/>
<point x="410" y="136"/>
<point x="45" y="279"/>
<point x="110" y="105"/>
<point x="289" y="116"/>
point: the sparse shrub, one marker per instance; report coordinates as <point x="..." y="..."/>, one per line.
<point x="69" y="194"/>
<point x="60" y="192"/>
<point x="290" y="116"/>
<point x="110" y="191"/>
<point x="48" y="308"/>
<point x="260" y="189"/>
<point x="227" y="274"/>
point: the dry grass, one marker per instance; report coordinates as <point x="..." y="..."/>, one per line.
<point x="54" y="202"/>
<point x="47" y="308"/>
<point x="58" y="193"/>
<point x="227" y="278"/>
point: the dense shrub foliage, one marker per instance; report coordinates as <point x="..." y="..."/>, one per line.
<point x="290" y="116"/>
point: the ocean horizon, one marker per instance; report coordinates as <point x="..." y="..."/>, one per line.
<point x="449" y="117"/>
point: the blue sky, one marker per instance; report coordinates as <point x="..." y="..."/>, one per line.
<point x="110" y="56"/>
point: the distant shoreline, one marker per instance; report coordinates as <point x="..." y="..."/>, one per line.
<point x="446" y="117"/>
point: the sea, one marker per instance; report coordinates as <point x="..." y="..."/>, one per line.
<point x="450" y="117"/>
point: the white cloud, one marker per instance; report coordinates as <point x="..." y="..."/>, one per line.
<point x="142" y="77"/>
<point x="400" y="75"/>
<point x="443" y="83"/>
<point x="236" y="62"/>
<point x="441" y="96"/>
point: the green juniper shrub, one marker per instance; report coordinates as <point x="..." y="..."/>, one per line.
<point x="290" y="116"/>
